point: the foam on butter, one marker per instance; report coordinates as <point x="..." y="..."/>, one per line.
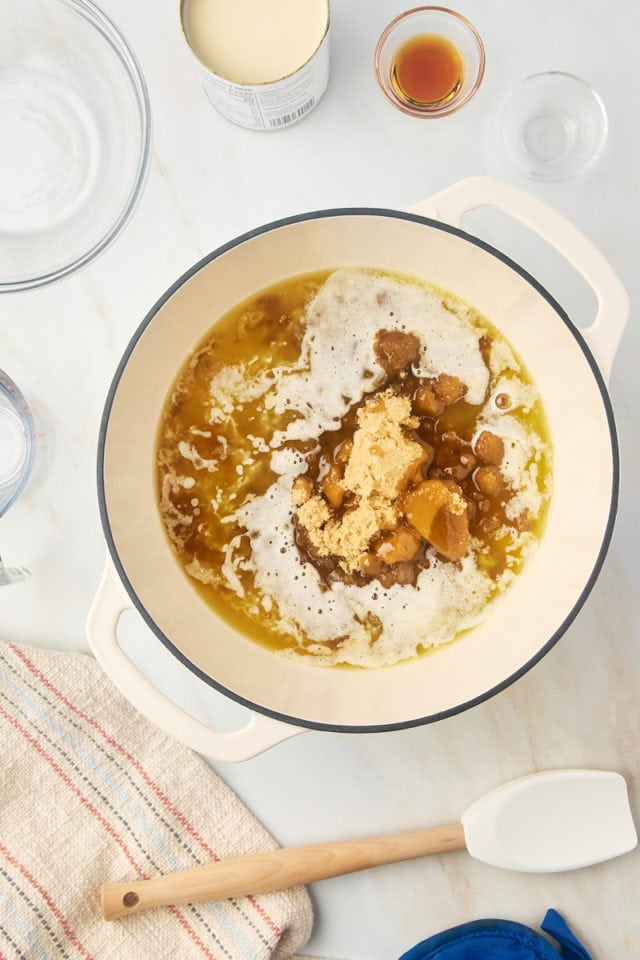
<point x="337" y="363"/>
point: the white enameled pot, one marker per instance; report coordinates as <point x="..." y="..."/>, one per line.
<point x="570" y="370"/>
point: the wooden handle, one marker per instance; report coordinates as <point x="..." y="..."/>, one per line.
<point x="275" y="871"/>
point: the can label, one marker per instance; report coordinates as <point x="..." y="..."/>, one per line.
<point x="270" y="106"/>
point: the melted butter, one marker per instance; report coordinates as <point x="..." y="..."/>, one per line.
<point x="262" y="332"/>
<point x="259" y="336"/>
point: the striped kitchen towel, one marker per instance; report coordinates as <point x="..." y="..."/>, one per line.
<point x="90" y="792"/>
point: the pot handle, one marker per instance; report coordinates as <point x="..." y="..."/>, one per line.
<point x="259" y="734"/>
<point x="605" y="333"/>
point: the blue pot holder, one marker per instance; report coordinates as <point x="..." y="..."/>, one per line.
<point x="501" y="940"/>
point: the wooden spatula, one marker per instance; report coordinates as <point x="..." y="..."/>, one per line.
<point x="543" y="823"/>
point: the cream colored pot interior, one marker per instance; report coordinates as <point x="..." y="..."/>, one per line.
<point x="517" y="628"/>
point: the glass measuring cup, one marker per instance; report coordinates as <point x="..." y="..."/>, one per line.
<point x="18" y="445"/>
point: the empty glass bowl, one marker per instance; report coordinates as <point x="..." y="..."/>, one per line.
<point x="553" y="126"/>
<point x="435" y="22"/>
<point x="75" y="122"/>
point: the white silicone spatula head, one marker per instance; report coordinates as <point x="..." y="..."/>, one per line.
<point x="546" y="822"/>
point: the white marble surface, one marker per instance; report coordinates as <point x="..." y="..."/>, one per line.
<point x="209" y="181"/>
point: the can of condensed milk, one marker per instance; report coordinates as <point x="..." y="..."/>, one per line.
<point x="265" y="63"/>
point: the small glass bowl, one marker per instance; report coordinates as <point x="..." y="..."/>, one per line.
<point x="75" y="122"/>
<point x="553" y="126"/>
<point x="441" y="22"/>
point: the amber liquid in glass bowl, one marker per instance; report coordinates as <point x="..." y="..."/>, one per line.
<point x="427" y="69"/>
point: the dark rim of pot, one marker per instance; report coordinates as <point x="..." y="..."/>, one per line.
<point x="568" y="620"/>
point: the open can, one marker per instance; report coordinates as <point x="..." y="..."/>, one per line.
<point x="265" y="64"/>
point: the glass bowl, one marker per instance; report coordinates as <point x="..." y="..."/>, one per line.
<point x="75" y="121"/>
<point x="441" y="22"/>
<point x="553" y="126"/>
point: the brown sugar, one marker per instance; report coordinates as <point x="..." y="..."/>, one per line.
<point x="382" y="456"/>
<point x="396" y="350"/>
<point x="489" y="480"/>
<point x="301" y="490"/>
<point x="380" y="463"/>
<point x="435" y="394"/>
<point x="490" y="448"/>
<point x="438" y="511"/>
<point x="449" y="389"/>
